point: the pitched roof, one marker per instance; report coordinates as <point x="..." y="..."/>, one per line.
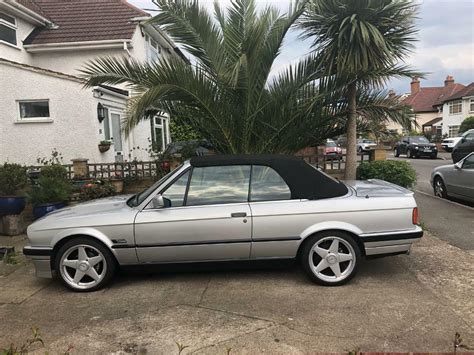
<point x="433" y="121"/>
<point x="85" y="20"/>
<point x="31" y="5"/>
<point x="467" y="91"/>
<point x="427" y="98"/>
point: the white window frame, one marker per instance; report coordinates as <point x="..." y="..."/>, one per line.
<point x="13" y="26"/>
<point x="163" y="123"/>
<point x="32" y="119"/>
<point x="156" y="48"/>
<point x="453" y="104"/>
<point x="471" y="105"/>
<point x="453" y="131"/>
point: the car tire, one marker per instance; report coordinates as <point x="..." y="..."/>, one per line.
<point x="396" y="153"/>
<point x="360" y="150"/>
<point x="330" y="264"/>
<point x="439" y="188"/>
<point x="409" y="154"/>
<point x="434" y="156"/>
<point x="84" y="265"/>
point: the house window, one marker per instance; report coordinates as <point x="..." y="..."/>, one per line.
<point x="455" y="107"/>
<point x="453" y="131"/>
<point x="33" y="110"/>
<point x="471" y="105"/>
<point x="7" y="29"/>
<point x="153" y="49"/>
<point x="160" y="133"/>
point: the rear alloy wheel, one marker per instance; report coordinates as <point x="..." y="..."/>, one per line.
<point x="331" y="258"/>
<point x="439" y="188"/>
<point x="396" y="153"/>
<point x="409" y="154"/>
<point x="84" y="265"/>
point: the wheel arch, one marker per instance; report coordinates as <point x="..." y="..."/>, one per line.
<point x="64" y="237"/>
<point x="347" y="228"/>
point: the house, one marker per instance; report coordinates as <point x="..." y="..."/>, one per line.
<point x="427" y="104"/>
<point x="43" y="103"/>
<point x="456" y="108"/>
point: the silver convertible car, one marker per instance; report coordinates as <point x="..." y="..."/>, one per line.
<point x="223" y="208"/>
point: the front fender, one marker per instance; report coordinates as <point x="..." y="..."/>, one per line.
<point x="84" y="231"/>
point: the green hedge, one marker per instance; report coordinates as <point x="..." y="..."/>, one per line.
<point x="396" y="172"/>
<point x="467" y="124"/>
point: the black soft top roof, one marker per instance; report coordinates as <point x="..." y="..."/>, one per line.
<point x="304" y="181"/>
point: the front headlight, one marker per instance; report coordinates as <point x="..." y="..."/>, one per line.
<point x="416" y="147"/>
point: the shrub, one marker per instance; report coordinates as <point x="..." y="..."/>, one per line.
<point x="99" y="189"/>
<point x="52" y="186"/>
<point x="467" y="124"/>
<point x="397" y="172"/>
<point x="13" y="179"/>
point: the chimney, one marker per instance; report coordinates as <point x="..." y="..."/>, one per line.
<point x="449" y="80"/>
<point x="415" y="85"/>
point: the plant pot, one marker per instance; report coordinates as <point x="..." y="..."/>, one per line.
<point x="44" y="209"/>
<point x="104" y="147"/>
<point x="11" y="205"/>
<point x="118" y="184"/>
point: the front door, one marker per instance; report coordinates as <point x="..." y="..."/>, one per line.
<point x="463" y="179"/>
<point x="116" y="130"/>
<point x="207" y="218"/>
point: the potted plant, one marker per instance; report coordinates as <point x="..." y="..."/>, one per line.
<point x="13" y="179"/>
<point x="104" y="146"/>
<point x="52" y="190"/>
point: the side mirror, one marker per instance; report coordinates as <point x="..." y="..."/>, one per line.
<point x="159" y="202"/>
<point x="458" y="165"/>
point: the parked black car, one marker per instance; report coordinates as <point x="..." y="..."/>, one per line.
<point x="415" y="147"/>
<point x="464" y="146"/>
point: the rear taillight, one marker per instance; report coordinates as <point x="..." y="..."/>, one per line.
<point x="414" y="216"/>
<point x="165" y="165"/>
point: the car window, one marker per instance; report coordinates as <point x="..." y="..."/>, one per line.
<point x="268" y="185"/>
<point x="219" y="184"/>
<point x="419" y="139"/>
<point x="468" y="162"/>
<point x="175" y="193"/>
<point x="470" y="137"/>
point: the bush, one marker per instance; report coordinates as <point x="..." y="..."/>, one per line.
<point x="99" y="189"/>
<point x="467" y="124"/>
<point x="397" y="172"/>
<point x="52" y="186"/>
<point x="13" y="179"/>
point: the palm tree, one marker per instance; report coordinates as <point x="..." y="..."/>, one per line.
<point x="227" y="93"/>
<point x="358" y="45"/>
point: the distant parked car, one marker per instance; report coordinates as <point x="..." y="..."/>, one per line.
<point x="415" y="147"/>
<point x="464" y="146"/>
<point x="364" y="145"/>
<point x="332" y="151"/>
<point x="449" y="143"/>
<point x="176" y="152"/>
<point x="455" y="180"/>
<point x="341" y="141"/>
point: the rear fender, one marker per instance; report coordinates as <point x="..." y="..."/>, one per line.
<point x="330" y="225"/>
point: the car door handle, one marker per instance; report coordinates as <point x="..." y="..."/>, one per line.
<point x="239" y="214"/>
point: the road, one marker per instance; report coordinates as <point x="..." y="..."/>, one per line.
<point x="452" y="221"/>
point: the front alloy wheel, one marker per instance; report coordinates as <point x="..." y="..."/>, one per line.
<point x="331" y="258"/>
<point x="409" y="154"/>
<point x="84" y="265"/>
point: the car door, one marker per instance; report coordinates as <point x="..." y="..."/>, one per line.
<point x="465" y="178"/>
<point x="403" y="145"/>
<point x="207" y="218"/>
<point x="276" y="226"/>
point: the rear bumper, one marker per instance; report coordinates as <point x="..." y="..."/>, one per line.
<point x="41" y="257"/>
<point x="390" y="243"/>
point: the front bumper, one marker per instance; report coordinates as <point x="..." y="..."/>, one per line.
<point x="41" y="257"/>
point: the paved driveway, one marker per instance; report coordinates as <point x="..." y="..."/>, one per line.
<point x="403" y="303"/>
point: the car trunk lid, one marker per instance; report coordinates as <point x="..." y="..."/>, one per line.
<point x="377" y="188"/>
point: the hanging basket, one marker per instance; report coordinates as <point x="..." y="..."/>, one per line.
<point x="104" y="147"/>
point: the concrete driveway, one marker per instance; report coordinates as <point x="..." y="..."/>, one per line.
<point x="402" y="303"/>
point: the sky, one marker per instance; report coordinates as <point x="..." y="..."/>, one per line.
<point x="445" y="46"/>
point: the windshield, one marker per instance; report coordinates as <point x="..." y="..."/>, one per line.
<point x="137" y="199"/>
<point x="331" y="144"/>
<point x="419" y="139"/>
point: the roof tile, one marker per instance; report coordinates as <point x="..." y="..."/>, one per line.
<point x="427" y="98"/>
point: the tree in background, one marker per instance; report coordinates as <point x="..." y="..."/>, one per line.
<point x="467" y="124"/>
<point x="358" y="45"/>
<point x="227" y="93"/>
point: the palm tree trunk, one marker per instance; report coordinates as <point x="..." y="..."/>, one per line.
<point x="351" y="152"/>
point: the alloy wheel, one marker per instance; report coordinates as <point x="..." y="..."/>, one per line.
<point x="439" y="188"/>
<point x="83" y="266"/>
<point x="332" y="259"/>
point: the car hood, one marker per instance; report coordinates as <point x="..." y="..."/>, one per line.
<point x="377" y="188"/>
<point x="86" y="213"/>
